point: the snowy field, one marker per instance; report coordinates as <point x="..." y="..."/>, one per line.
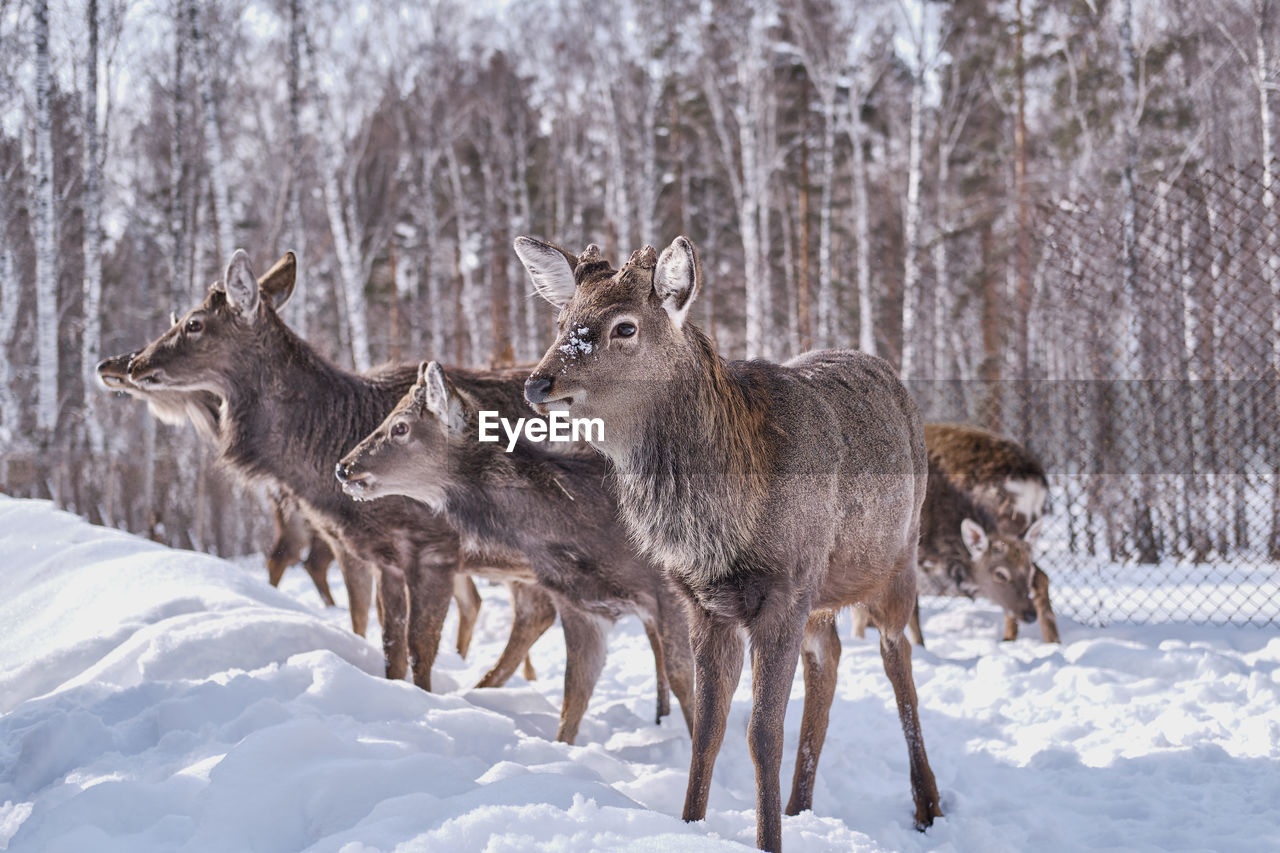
<point x="153" y="699"/>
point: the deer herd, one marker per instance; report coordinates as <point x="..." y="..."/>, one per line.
<point x="731" y="506"/>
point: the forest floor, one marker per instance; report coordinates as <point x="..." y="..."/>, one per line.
<point x="153" y="699"/>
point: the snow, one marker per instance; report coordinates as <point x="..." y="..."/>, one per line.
<point x="153" y="699"/>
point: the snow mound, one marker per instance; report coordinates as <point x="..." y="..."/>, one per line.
<point x="153" y="699"/>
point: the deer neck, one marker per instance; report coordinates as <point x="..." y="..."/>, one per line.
<point x="291" y="420"/>
<point x="693" y="484"/>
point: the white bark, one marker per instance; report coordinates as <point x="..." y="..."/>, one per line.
<point x="10" y="417"/>
<point x="90" y="344"/>
<point x="468" y="260"/>
<point x="181" y="284"/>
<point x="212" y="137"/>
<point x="827" y="310"/>
<point x="299" y="305"/>
<point x="862" y="232"/>
<point x="352" y="281"/>
<point x="45" y="236"/>
<point x="911" y="225"/>
<point x="1127" y="315"/>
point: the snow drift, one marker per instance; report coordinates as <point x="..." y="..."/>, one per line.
<point x="153" y="699"/>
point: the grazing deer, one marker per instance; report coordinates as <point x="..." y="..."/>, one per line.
<point x="554" y="509"/>
<point x="1009" y="482"/>
<point x="287" y="415"/>
<point x="964" y="553"/>
<point x="773" y="494"/>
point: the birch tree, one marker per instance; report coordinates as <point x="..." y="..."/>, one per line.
<point x="45" y="234"/>
<point x="212" y="136"/>
<point x="91" y="341"/>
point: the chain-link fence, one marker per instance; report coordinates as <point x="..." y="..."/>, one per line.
<point x="1149" y="389"/>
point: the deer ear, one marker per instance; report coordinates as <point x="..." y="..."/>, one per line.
<point x="277" y="283"/>
<point x="975" y="538"/>
<point x="550" y="267"/>
<point x="1033" y="532"/>
<point x="441" y="398"/>
<point x="677" y="278"/>
<point x="241" y="286"/>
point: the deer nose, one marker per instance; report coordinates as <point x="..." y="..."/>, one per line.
<point x="537" y="389"/>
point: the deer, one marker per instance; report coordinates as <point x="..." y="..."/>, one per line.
<point x="287" y="414"/>
<point x="964" y="552"/>
<point x="1007" y="480"/>
<point x="201" y="408"/>
<point x="553" y="508"/>
<point x="772" y="494"/>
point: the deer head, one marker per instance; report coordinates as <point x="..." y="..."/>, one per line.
<point x="1002" y="568"/>
<point x="197" y="353"/>
<point x="622" y="333"/>
<point x="408" y="454"/>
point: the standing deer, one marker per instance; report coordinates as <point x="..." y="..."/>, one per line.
<point x="553" y="509"/>
<point x="287" y="415"/>
<point x="773" y="494"/>
<point x="1010" y="483"/>
<point x="202" y="409"/>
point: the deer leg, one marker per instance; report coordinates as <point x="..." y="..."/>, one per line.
<point x="717" y="662"/>
<point x="430" y="589"/>
<point x="1044" y="610"/>
<point x="317" y="565"/>
<point x="896" y="654"/>
<point x="913" y="627"/>
<point x="861" y="619"/>
<point x="276" y="564"/>
<point x="674" y="628"/>
<point x="357" y="576"/>
<point x="820" y="651"/>
<point x="467" y="597"/>
<point x="532" y="614"/>
<point x="526" y="669"/>
<point x="393" y="606"/>
<point x="660" y="671"/>
<point x="584" y="642"/>
<point x="775" y="650"/>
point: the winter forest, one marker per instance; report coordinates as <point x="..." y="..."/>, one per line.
<point x="1057" y="218"/>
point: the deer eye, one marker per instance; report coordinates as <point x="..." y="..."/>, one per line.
<point x="193" y="327"/>
<point x="624" y="330"/>
<point x="1002" y="574"/>
<point x="399" y="429"/>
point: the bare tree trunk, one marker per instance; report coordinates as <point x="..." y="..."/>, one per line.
<point x="862" y="230"/>
<point x="45" y="236"/>
<point x="299" y="306"/>
<point x="349" y="269"/>
<point x="181" y="284"/>
<point x="804" y="302"/>
<point x="911" y="225"/>
<point x="10" y="418"/>
<point x="91" y="342"/>
<point x="468" y="261"/>
<point x="827" y="310"/>
<point x="212" y="138"/>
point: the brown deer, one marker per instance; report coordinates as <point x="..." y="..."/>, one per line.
<point x="773" y="494"/>
<point x="963" y="552"/>
<point x="553" y="509"/>
<point x="1009" y="482"/>
<point x="201" y="409"/>
<point x="287" y="415"/>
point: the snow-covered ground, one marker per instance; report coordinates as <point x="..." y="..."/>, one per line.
<point x="153" y="699"/>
